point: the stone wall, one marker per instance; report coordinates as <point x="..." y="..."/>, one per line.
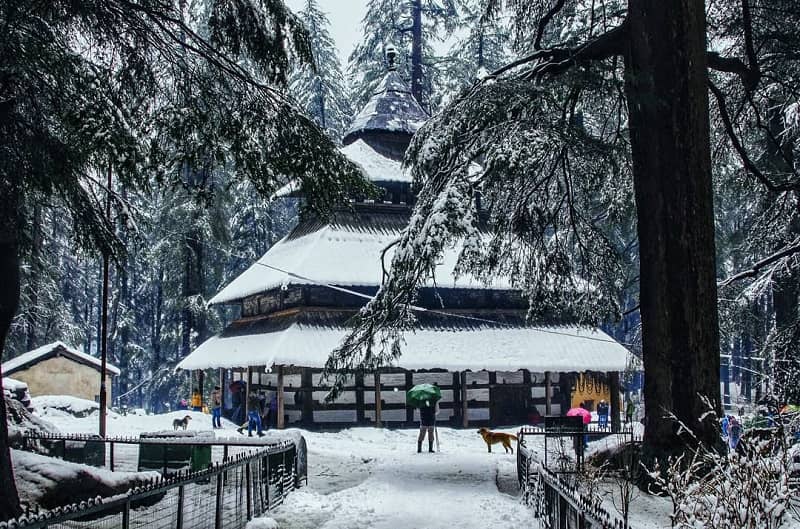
<point x="62" y="376"/>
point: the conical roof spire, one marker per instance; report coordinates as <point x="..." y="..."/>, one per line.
<point x="391" y="109"/>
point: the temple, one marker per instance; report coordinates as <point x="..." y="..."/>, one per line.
<point x="494" y="366"/>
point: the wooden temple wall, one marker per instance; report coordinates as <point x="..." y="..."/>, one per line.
<point x="493" y="398"/>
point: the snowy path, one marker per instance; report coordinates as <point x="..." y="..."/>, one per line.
<point x="368" y="478"/>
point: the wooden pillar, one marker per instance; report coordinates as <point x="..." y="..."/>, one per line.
<point x="360" y="398"/>
<point x="527" y="380"/>
<point x="409" y="409"/>
<point x="464" y="401"/>
<point x="548" y="393"/>
<point x="613" y="385"/>
<point x="378" y="423"/>
<point x="247" y="393"/>
<point x="456" y="420"/>
<point x="201" y="377"/>
<point x="307" y="385"/>
<point x="222" y="387"/>
<point x="492" y="394"/>
<point x="280" y="418"/>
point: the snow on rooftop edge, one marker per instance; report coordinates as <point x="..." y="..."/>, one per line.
<point x="337" y="256"/>
<point x="33" y="355"/>
<point x="555" y="348"/>
<point x="378" y="168"/>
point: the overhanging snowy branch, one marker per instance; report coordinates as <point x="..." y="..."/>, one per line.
<point x="760" y="265"/>
<point x="557" y="60"/>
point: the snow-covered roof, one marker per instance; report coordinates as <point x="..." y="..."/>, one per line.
<point x="31" y="357"/>
<point x="378" y="168"/>
<point x="391" y="108"/>
<point x="338" y="253"/>
<point x="439" y="342"/>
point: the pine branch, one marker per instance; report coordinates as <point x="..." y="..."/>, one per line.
<point x="557" y="60"/>
<point x="545" y="21"/>
<point x="760" y="265"/>
<point x="749" y="165"/>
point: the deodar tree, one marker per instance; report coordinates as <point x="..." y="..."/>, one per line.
<point x="150" y="91"/>
<point x="604" y="119"/>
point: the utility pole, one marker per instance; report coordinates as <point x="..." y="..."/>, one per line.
<point x="104" y="320"/>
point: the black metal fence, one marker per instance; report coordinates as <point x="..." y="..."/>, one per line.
<point x="224" y="495"/>
<point x="557" y="502"/>
<point x="166" y="455"/>
<point x="566" y="440"/>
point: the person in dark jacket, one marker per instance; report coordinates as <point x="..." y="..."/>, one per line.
<point x="427" y="422"/>
<point x="216" y="408"/>
<point x="254" y="416"/>
<point x="602" y="414"/>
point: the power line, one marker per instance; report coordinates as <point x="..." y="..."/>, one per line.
<point x="439" y="312"/>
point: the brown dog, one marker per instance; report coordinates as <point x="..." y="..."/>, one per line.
<point x="181" y="423"/>
<point x="497" y="437"/>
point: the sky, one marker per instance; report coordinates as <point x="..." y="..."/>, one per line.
<point x="345" y="17"/>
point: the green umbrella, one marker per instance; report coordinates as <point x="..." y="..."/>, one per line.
<point x="423" y="395"/>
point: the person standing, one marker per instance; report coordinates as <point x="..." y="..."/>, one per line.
<point x="734" y="432"/>
<point x="253" y="416"/>
<point x="630" y="409"/>
<point x="216" y="408"/>
<point x="602" y="414"/>
<point x="427" y="422"/>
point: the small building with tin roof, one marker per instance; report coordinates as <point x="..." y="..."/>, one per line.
<point x="57" y="369"/>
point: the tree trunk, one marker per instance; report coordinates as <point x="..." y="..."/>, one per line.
<point x="666" y="81"/>
<point x="9" y="300"/>
<point x="416" y="52"/>
<point x="34" y="279"/>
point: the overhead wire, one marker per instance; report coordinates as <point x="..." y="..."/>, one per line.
<point x="438" y="312"/>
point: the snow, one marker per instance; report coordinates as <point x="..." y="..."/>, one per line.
<point x="391" y="108"/>
<point x="12" y="384"/>
<point x="374" y="478"/>
<point x="262" y="523"/>
<point x="36" y="354"/>
<point x="561" y="348"/>
<point x="336" y="255"/>
<point x="50" y="406"/>
<point x="377" y="167"/>
<point x="38" y="476"/>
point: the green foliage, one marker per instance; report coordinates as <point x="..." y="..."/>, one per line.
<point x="320" y="88"/>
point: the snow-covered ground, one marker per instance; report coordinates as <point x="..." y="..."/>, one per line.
<point x="366" y="477"/>
<point x="374" y="478"/>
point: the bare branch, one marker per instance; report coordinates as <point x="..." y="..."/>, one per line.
<point x="760" y="265"/>
<point x="749" y="165"/>
<point x="537" y="44"/>
<point x="750" y="78"/>
<point x="557" y="60"/>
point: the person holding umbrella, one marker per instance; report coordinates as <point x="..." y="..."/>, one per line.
<point x="425" y="397"/>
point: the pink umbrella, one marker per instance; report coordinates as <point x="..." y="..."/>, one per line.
<point x="580" y="412"/>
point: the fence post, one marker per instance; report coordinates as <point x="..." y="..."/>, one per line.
<point x="269" y="478"/>
<point x="126" y="515"/>
<point x="218" y="509"/>
<point x="112" y="456"/>
<point x="179" y="521"/>
<point x="248" y="479"/>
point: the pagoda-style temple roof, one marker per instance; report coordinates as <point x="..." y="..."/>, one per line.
<point x="464" y="342"/>
<point x="392" y="108"/>
<point x="296" y="300"/>
<point x="343" y="251"/>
